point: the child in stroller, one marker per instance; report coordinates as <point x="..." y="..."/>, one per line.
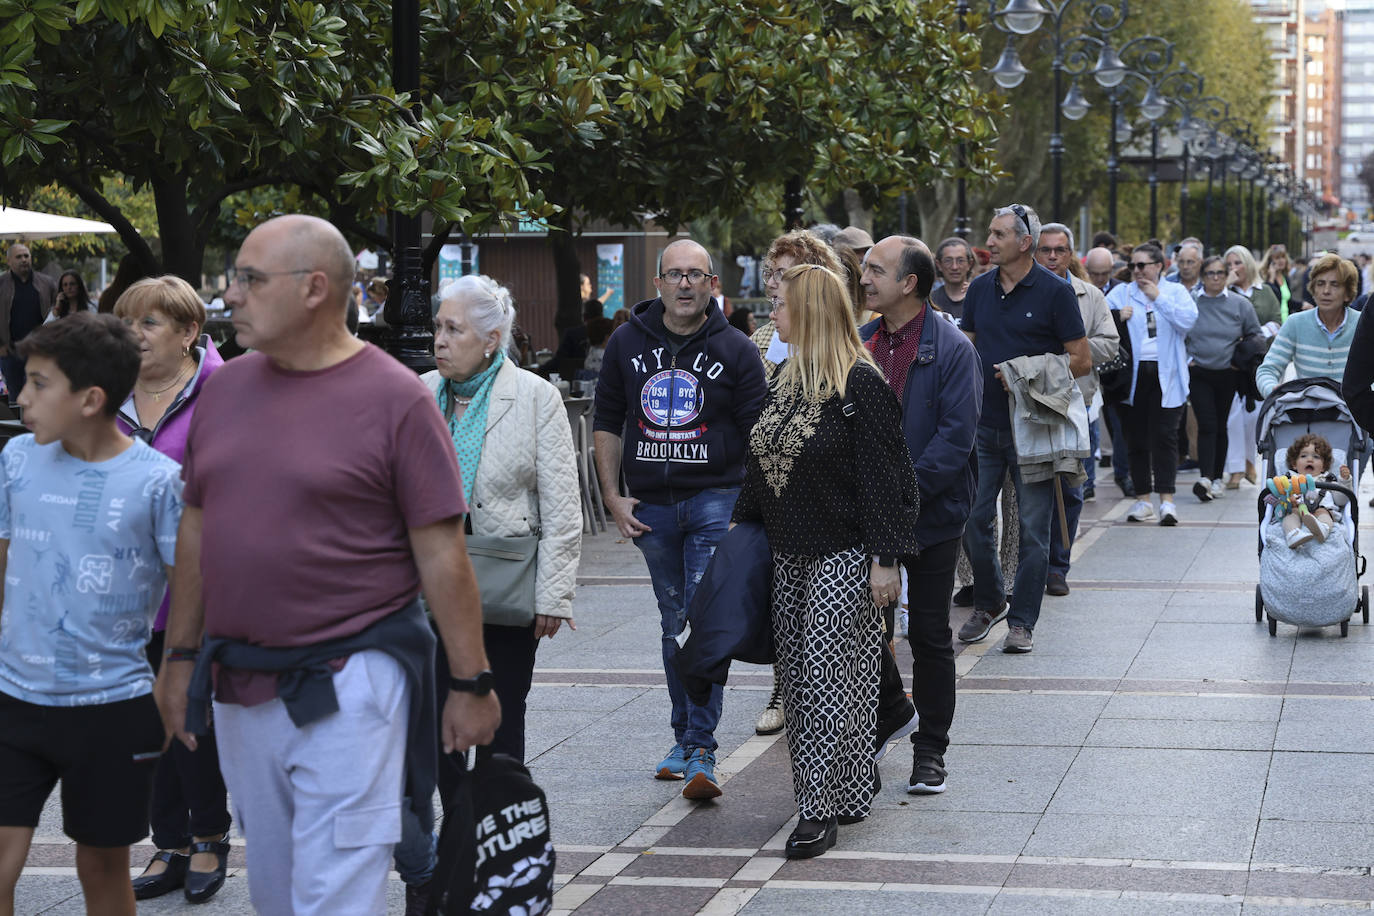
<point x="1306" y="511"/>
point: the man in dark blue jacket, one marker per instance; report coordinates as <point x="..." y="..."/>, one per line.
<point x="679" y="391"/>
<point x="936" y="375"/>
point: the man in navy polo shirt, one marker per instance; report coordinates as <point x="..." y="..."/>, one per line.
<point x="1016" y="309"/>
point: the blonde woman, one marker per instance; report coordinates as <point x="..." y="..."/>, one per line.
<point x="829" y="476"/>
<point x="1243" y="277"/>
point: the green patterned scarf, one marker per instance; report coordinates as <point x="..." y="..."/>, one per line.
<point x="469" y="431"/>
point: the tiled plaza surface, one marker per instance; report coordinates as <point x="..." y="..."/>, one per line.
<point x="1158" y="753"/>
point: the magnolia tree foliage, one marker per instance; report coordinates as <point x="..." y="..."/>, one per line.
<point x="563" y="109"/>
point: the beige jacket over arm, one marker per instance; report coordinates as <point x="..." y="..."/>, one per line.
<point x="527" y="480"/>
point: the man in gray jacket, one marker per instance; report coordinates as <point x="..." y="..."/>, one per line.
<point x="1055" y="252"/>
<point x="26" y="299"/>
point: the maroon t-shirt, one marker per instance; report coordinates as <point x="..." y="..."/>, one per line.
<point x="309" y="483"/>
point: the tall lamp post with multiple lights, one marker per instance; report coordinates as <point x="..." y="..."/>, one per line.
<point x="1025" y="17"/>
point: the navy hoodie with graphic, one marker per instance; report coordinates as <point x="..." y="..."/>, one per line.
<point x="684" y="418"/>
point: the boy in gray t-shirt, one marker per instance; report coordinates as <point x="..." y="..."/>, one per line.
<point x="88" y="522"/>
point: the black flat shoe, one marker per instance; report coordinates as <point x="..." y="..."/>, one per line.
<point x="202" y="885"/>
<point x="811" y="838"/>
<point x="146" y="886"/>
<point x="848" y="820"/>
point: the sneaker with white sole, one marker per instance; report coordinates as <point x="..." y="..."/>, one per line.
<point x="1203" y="490"/>
<point x="771" y="720"/>
<point x="1218" y="490"/>
<point x="1142" y="511"/>
<point x="927" y="776"/>
<point x="1018" y="641"/>
<point x="897" y="724"/>
<point x="1168" y="514"/>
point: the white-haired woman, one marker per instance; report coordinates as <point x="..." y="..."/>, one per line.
<point x="1243" y="277"/>
<point x="515" y="451"/>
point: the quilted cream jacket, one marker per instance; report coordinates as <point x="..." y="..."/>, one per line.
<point x="527" y="479"/>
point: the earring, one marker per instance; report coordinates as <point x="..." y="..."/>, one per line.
<point x="487" y="354"/>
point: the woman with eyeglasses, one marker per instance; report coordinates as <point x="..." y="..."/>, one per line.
<point x="1158" y="316"/>
<point x="189" y="811"/>
<point x="788" y="250"/>
<point x="1243" y="277"/>
<point x="829" y="476"/>
<point x="1223" y="318"/>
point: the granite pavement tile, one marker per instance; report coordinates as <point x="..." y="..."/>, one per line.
<point x="1157" y="782"/>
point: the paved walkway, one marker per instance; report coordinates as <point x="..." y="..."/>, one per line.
<point x="1158" y="753"/>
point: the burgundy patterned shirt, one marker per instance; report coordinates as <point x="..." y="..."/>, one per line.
<point x="894" y="351"/>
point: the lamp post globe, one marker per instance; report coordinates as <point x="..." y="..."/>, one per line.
<point x="1009" y="71"/>
<point x="1023" y="16"/>
<point x="1075" y="104"/>
<point x="1109" y="70"/>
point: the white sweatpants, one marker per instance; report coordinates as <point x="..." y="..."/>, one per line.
<point x="320" y="806"/>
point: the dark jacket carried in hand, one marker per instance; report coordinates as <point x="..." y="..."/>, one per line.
<point x="730" y="615"/>
<point x="940" y="405"/>
<point x="684" y="417"/>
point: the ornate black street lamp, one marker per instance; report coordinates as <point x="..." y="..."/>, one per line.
<point x="1175" y="88"/>
<point x="410" y="336"/>
<point x="1025" y="17"/>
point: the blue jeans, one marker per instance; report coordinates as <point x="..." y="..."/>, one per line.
<point x="996" y="457"/>
<point x="1073" y="508"/>
<point x="676" y="551"/>
<point x="417" y="855"/>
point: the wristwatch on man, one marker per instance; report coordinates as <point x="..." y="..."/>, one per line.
<point x="481" y="685"/>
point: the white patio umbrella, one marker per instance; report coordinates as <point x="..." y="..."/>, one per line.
<point x="29" y="224"/>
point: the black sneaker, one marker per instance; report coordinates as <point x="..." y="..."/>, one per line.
<point x="927" y="776"/>
<point x="897" y="724"/>
<point x="963" y="597"/>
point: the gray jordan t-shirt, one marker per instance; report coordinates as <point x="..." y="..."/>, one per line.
<point x="85" y="573"/>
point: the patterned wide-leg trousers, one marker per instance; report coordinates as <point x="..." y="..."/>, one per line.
<point x="828" y="635"/>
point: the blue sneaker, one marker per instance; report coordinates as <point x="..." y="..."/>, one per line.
<point x="674" y="765"/>
<point x="701" y="776"/>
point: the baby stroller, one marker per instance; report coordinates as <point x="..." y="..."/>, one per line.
<point x="1316" y="589"/>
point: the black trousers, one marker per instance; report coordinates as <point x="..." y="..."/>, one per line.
<point x="930" y="585"/>
<point x="510" y="651"/>
<point x="1151" y="434"/>
<point x="189" y="798"/>
<point x="1211" y="392"/>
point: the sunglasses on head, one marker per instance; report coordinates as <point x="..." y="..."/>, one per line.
<point x="1020" y="211"/>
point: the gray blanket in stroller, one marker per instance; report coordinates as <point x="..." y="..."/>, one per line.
<point x="1312" y="586"/>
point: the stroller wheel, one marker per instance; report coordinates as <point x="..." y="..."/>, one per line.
<point x="1345" y="628"/>
<point x="1273" y="627"/>
<point x="1259" y="605"/>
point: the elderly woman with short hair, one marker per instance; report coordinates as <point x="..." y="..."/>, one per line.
<point x="1316" y="342"/>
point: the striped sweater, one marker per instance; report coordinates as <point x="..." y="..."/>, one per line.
<point x="1304" y="342"/>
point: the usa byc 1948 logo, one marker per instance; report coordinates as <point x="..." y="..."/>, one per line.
<point x="672" y="398"/>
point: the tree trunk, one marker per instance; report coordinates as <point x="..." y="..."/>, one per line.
<point x="183" y="248"/>
<point x="567" y="271"/>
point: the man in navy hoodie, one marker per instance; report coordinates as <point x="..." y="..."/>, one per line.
<point x="679" y="391"/>
<point x="935" y="373"/>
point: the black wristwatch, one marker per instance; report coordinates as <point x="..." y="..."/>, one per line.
<point x="481" y="685"/>
<point x="886" y="560"/>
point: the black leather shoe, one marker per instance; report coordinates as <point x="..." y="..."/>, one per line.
<point x="846" y="820"/>
<point x="146" y="886"/>
<point x="202" y="885"/>
<point x="811" y="838"/>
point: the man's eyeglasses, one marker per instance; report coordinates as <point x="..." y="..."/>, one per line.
<point x="693" y="276"/>
<point x="770" y="274"/>
<point x="1141" y="265"/>
<point x="1060" y="251"/>
<point x="251" y="279"/>
<point x="953" y="262"/>
<point x="1214" y="273"/>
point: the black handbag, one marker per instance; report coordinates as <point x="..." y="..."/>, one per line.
<point x="1116" y="374"/>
